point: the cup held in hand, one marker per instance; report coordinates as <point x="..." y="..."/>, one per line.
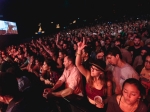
<point x="98" y="99"/>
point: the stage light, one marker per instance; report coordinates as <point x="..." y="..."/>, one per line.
<point x="74" y="21"/>
<point x="57" y="26"/>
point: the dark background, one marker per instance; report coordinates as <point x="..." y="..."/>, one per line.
<point x="28" y="13"/>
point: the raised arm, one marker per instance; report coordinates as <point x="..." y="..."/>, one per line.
<point x="57" y="40"/>
<point x="83" y="71"/>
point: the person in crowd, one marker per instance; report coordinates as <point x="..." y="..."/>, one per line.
<point x="49" y="72"/>
<point x="130" y="99"/>
<point x="139" y="60"/>
<point x="144" y="71"/>
<point x="136" y="48"/>
<point x="61" y="55"/>
<point x="15" y="100"/>
<point x="38" y="65"/>
<point x="126" y="55"/>
<point x="121" y="70"/>
<point x="107" y="45"/>
<point x="86" y="51"/>
<point x="72" y="79"/>
<point x="96" y="84"/>
<point x="100" y="55"/>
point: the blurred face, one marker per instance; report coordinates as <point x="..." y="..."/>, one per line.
<point x="96" y="43"/>
<point x="143" y="52"/>
<point x="100" y="55"/>
<point x="61" y="56"/>
<point x="107" y="42"/>
<point x="131" y="94"/>
<point x="66" y="62"/>
<point x="136" y="42"/>
<point x="61" y="42"/>
<point x="64" y="46"/>
<point x="95" y="71"/>
<point x="31" y="59"/>
<point x="45" y="66"/>
<point x="51" y="54"/>
<point x="37" y="62"/>
<point x="112" y="59"/>
<point x="75" y="46"/>
<point x="117" y="43"/>
<point x="147" y="63"/>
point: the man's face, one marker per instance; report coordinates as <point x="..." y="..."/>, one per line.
<point x="112" y="59"/>
<point x="143" y="52"/>
<point x="117" y="43"/>
<point x="147" y="63"/>
<point x="107" y="42"/>
<point x="66" y="62"/>
<point x="136" y="41"/>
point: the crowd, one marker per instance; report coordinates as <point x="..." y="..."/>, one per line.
<point x="106" y="65"/>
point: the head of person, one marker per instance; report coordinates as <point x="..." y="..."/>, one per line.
<point x="62" y="54"/>
<point x="114" y="55"/>
<point x="8" y="87"/>
<point x="98" y="68"/>
<point x="147" y="62"/>
<point x="100" y="55"/>
<point x="86" y="52"/>
<point x="49" y="65"/>
<point x="69" y="61"/>
<point x="137" y="41"/>
<point x="107" y="41"/>
<point x="97" y="43"/>
<point x="75" y="46"/>
<point x="53" y="52"/>
<point x="143" y="51"/>
<point x="65" y="45"/>
<point x="132" y="91"/>
<point x="118" y="42"/>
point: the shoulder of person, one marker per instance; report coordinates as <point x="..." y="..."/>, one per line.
<point x="142" y="107"/>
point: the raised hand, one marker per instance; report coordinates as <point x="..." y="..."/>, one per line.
<point x="81" y="45"/>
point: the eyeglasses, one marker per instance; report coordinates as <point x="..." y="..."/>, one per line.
<point x="146" y="61"/>
<point x="94" y="68"/>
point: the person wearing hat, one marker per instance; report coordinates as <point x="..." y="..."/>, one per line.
<point x="96" y="85"/>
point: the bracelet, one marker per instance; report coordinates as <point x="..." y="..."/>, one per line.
<point x="78" y="54"/>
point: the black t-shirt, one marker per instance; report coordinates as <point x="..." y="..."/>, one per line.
<point x="136" y="52"/>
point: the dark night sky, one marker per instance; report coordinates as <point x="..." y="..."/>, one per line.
<point x="28" y="13"/>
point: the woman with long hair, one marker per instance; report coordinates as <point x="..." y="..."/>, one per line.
<point x="49" y="73"/>
<point x="96" y="83"/>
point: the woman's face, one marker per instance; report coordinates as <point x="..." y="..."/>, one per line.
<point x="45" y="66"/>
<point x="95" y="71"/>
<point x="131" y="94"/>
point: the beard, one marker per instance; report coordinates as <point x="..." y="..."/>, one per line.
<point x="136" y="44"/>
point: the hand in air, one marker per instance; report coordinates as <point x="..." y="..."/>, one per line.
<point x="81" y="45"/>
